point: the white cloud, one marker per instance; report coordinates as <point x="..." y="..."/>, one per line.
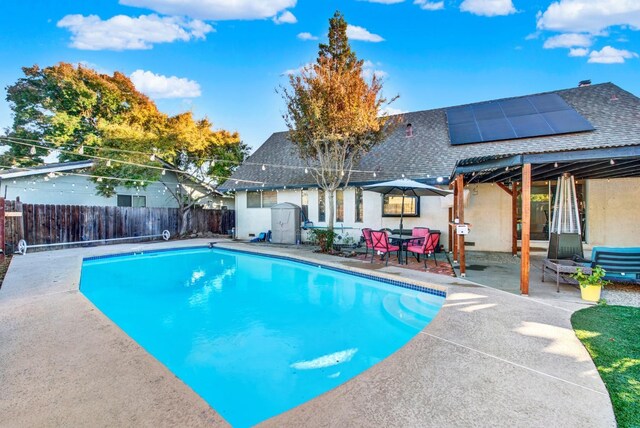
<point x="124" y="32"/>
<point x="359" y="33"/>
<point x="216" y="10"/>
<point x="159" y="86"/>
<point x="369" y="70"/>
<point x="591" y="16"/>
<point x="384" y="1"/>
<point x="307" y="36"/>
<point x="429" y="5"/>
<point x="285" y="17"/>
<point x="488" y="7"/>
<point x="569" y="40"/>
<point x="578" y="52"/>
<point x="390" y="111"/>
<point x="292" y="71"/>
<point x="610" y="55"/>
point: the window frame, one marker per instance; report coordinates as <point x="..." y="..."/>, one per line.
<point x="416" y="214"/>
<point x="131" y="198"/>
<point x="359" y="205"/>
<point x="261" y="193"/>
<point x="339" y="205"/>
<point x="322" y="206"/>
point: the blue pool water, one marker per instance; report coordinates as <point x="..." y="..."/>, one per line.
<point x="253" y="335"/>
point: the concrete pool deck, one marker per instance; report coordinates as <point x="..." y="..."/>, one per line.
<point x="489" y="358"/>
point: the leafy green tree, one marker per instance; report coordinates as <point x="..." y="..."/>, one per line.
<point x="89" y="115"/>
<point x="334" y="114"/>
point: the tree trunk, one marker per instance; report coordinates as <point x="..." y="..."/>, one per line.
<point x="331" y="210"/>
<point x="184" y="224"/>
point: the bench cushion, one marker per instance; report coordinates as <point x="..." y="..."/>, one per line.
<point x="621" y="263"/>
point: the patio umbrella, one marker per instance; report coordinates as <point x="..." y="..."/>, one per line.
<point x="405" y="187"/>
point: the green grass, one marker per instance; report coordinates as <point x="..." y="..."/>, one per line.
<point x="611" y="334"/>
<point x="4" y="265"/>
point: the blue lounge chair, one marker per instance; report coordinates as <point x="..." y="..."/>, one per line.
<point x="621" y="264"/>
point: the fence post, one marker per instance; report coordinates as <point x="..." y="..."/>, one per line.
<point x="2" y="246"/>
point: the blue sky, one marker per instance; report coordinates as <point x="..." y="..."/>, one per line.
<point x="225" y="58"/>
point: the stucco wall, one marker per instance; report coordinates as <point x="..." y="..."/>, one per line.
<point x="613" y="212"/>
<point x="76" y="190"/>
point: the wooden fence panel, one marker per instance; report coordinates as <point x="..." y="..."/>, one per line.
<point x="52" y="224"/>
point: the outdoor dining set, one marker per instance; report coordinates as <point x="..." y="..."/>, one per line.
<point x="422" y="242"/>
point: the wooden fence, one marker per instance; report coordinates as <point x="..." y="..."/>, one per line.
<point x="52" y="224"/>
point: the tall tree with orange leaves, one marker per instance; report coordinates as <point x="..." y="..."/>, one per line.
<point x="334" y="114"/>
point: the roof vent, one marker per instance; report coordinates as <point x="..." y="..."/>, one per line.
<point x="409" y="131"/>
<point x="584" y="83"/>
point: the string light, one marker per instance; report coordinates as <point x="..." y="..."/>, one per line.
<point x="133" y="164"/>
<point x="111" y="149"/>
<point x="33" y="150"/>
<point x="264" y="167"/>
<point x="109" y="163"/>
<point x="612" y="162"/>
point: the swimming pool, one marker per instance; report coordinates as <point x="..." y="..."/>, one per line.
<point x="254" y="335"/>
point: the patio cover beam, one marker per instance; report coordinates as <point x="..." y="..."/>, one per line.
<point x="460" y="195"/>
<point x="525" y="262"/>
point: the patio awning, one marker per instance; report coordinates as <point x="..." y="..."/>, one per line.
<point x="614" y="162"/>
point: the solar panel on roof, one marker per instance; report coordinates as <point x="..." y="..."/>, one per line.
<point x="532" y="116"/>
<point x="464" y="132"/>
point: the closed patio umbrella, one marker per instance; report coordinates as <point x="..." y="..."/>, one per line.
<point x="405" y="187"/>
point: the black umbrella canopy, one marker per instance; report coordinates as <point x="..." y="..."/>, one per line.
<point x="406" y="187"/>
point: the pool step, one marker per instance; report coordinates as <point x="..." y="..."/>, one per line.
<point x="395" y="310"/>
<point x="420" y="307"/>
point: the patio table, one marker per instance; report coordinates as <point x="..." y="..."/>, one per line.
<point x="563" y="269"/>
<point x="401" y="240"/>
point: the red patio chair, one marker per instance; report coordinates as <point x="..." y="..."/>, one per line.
<point x="366" y="234"/>
<point x="381" y="243"/>
<point x="427" y="247"/>
<point x="419" y="232"/>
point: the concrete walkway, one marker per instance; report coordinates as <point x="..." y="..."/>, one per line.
<point x="489" y="358"/>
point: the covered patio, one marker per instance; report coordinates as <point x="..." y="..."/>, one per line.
<point x="514" y="174"/>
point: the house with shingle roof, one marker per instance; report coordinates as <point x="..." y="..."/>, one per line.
<point x="69" y="183"/>
<point x="599" y="121"/>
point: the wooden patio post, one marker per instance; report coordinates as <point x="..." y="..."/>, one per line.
<point x="450" y="247"/>
<point x="452" y="228"/>
<point x="526" y="229"/>
<point x="514" y="218"/>
<point x="460" y="187"/>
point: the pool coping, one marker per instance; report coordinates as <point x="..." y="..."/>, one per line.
<point x="379" y="276"/>
<point x="480" y="330"/>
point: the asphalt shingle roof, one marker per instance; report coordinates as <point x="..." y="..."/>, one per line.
<point x="428" y="154"/>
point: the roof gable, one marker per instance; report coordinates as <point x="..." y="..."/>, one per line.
<point x="428" y="153"/>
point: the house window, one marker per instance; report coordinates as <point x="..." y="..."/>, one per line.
<point x="264" y="199"/>
<point x="304" y="202"/>
<point x="339" y="205"/>
<point x="134" y="201"/>
<point x="269" y="198"/>
<point x="392" y="206"/>
<point x="322" y="211"/>
<point x="359" y="205"/>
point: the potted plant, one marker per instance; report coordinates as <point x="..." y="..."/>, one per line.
<point x="591" y="285"/>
